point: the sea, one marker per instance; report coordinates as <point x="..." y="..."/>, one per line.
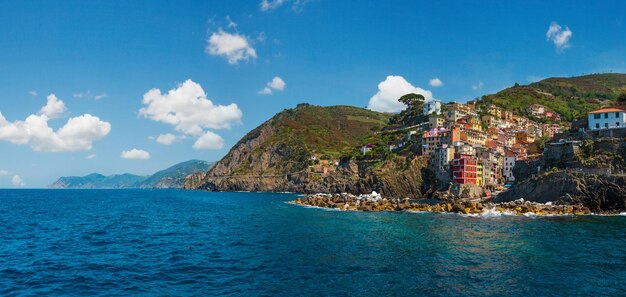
<point x="196" y="243"/>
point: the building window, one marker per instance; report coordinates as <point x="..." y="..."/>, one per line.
<point x="617" y="124"/>
<point x="597" y="126"/>
<point x="606" y="125"/>
<point x="606" y="115"/>
<point x="596" y="116"/>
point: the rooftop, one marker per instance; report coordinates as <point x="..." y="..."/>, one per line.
<point x="607" y="110"/>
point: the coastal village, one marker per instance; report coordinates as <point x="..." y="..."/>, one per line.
<point x="474" y="146"/>
<point x="559" y="142"/>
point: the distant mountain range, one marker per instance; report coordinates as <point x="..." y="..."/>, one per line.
<point x="172" y="177"/>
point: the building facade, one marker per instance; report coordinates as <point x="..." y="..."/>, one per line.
<point x="606" y="118"/>
<point x="432" y="106"/>
<point x="464" y="168"/>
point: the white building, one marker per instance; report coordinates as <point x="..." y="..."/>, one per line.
<point x="432" y="106"/>
<point x="606" y="118"/>
<point x="507" y="169"/>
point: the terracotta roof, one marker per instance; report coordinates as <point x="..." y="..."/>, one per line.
<point x="607" y="110"/>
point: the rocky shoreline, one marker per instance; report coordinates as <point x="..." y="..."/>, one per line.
<point x="375" y="202"/>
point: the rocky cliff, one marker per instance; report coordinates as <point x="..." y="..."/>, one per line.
<point x="599" y="193"/>
<point x="277" y="157"/>
<point x="589" y="173"/>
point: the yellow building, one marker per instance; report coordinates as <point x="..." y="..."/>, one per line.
<point x="495" y="111"/>
<point x="479" y="174"/>
<point x="474" y="138"/>
<point x="464" y="108"/>
<point x="476" y="123"/>
<point x="436" y="122"/>
<point x="491" y="121"/>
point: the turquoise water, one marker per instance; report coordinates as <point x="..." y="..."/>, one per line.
<point x="168" y="242"/>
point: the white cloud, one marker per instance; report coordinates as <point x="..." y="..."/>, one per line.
<point x="559" y="36"/>
<point x="209" y="141"/>
<point x="91" y="156"/>
<point x="101" y="96"/>
<point x="33" y="93"/>
<point x="188" y="109"/>
<point x="261" y="37"/>
<point x="88" y="95"/>
<point x="79" y="95"/>
<point x="233" y="47"/>
<point x="166" y="139"/>
<point x="267" y="5"/>
<point x="17" y="181"/>
<point x="478" y="86"/>
<point x="390" y="90"/>
<point x="231" y="24"/>
<point x="54" y="107"/>
<point x="135" y="154"/>
<point x="77" y="134"/>
<point x="265" y="91"/>
<point x="435" y="82"/>
<point x="277" y="84"/>
<point x="4" y="172"/>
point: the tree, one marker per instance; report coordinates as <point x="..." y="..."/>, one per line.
<point x="622" y="97"/>
<point x="412" y="99"/>
<point x="414" y="110"/>
<point x="414" y="103"/>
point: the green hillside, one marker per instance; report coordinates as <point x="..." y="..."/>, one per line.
<point x="326" y="130"/>
<point x="571" y="97"/>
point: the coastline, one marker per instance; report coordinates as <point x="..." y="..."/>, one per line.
<point x="374" y="202"/>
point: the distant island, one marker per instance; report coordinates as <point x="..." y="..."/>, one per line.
<point x="172" y="177"/>
<point x="559" y="140"/>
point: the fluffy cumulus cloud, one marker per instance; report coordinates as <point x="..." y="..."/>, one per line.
<point x="559" y="36"/>
<point x="232" y="46"/>
<point x="166" y="139"/>
<point x="54" y="108"/>
<point x="435" y="82"/>
<point x="276" y="84"/>
<point x="17" y="181"/>
<point x="188" y="109"/>
<point x="390" y="90"/>
<point x="77" y="134"/>
<point x="209" y="141"/>
<point x="135" y="154"/>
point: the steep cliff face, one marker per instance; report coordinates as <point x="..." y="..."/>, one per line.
<point x="600" y="193"/>
<point x="588" y="172"/>
<point x="276" y="157"/>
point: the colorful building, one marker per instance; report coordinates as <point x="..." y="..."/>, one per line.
<point x="464" y="168"/>
<point x="432" y="139"/>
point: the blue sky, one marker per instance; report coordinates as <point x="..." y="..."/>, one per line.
<point x="221" y="58"/>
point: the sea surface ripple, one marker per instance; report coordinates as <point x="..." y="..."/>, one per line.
<point x="195" y="243"/>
